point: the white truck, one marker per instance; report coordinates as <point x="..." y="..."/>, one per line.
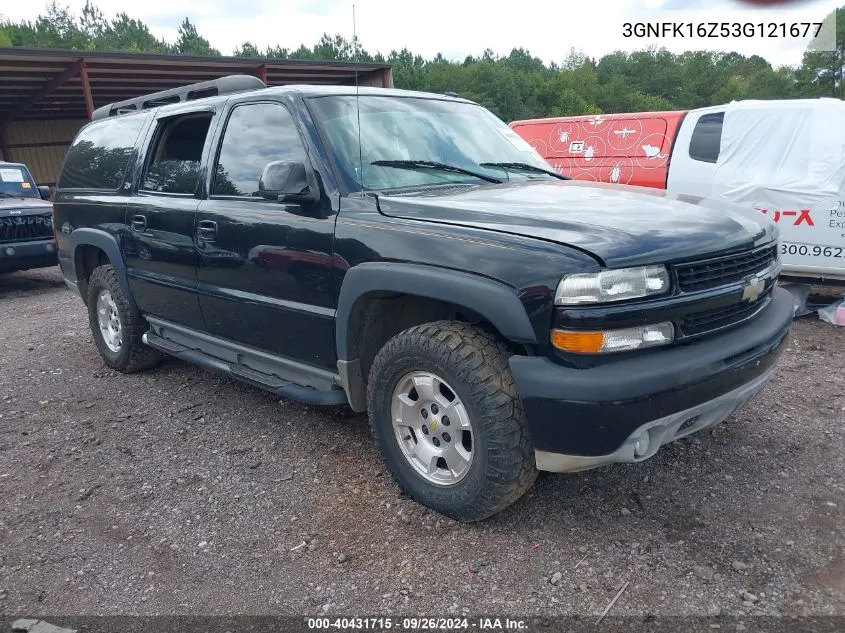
<point x="783" y="158"/>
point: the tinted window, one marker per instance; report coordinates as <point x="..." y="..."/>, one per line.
<point x="707" y="138"/>
<point x="98" y="157"/>
<point x="174" y="160"/>
<point x="256" y="134"/>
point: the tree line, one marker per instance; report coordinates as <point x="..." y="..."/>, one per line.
<point x="516" y="86"/>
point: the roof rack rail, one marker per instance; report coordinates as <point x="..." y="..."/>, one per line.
<point x="222" y="86"/>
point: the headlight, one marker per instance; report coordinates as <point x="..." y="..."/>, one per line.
<point x="623" y="340"/>
<point x="612" y="285"/>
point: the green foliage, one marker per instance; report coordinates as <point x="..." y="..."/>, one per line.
<point x="58" y="28"/>
<point x="192" y="43"/>
<point x="247" y="49"/>
<point x="821" y="72"/>
<point x="127" y="34"/>
<point x="516" y="86"/>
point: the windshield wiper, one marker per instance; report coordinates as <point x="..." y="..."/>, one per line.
<point x="525" y="167"/>
<point x="430" y="164"/>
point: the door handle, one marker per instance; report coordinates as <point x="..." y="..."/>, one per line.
<point x="139" y="223"/>
<point x="207" y="230"/>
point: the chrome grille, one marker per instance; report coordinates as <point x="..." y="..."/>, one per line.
<point x="721" y="271"/>
<point x="717" y="318"/>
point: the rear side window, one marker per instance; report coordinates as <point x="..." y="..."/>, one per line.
<point x="100" y="154"/>
<point x="707" y="138"/>
<point x="174" y="161"/>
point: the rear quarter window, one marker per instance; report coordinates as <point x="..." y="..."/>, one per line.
<point x="100" y="154"/>
<point x="706" y="138"/>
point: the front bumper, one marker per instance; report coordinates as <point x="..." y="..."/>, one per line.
<point x="584" y="418"/>
<point x="25" y="255"/>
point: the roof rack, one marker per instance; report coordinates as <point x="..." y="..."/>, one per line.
<point x="222" y="86"/>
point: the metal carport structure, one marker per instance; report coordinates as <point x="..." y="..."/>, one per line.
<point x="47" y="95"/>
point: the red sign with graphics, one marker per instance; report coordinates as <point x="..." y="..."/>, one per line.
<point x="631" y="149"/>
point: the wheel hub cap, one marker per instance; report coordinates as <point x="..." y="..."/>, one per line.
<point x="108" y="319"/>
<point x="432" y="427"/>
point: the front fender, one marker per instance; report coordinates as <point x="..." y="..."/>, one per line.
<point x="495" y="301"/>
<point x="498" y="303"/>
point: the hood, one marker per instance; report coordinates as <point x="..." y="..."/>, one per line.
<point x="618" y="225"/>
<point x="11" y="207"/>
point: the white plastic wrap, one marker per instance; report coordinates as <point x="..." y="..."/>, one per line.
<point x="834" y="313"/>
<point x="787" y="159"/>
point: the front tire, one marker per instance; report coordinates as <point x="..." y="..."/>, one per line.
<point x="116" y="325"/>
<point x="448" y="421"/>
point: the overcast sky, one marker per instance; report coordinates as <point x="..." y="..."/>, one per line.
<point x="457" y="28"/>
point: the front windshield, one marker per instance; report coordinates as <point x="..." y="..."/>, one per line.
<point x="458" y="134"/>
<point x="16" y="181"/>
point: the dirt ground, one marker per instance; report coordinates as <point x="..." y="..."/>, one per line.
<point x="178" y="491"/>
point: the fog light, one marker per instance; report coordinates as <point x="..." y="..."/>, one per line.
<point x="10" y="251"/>
<point x="623" y="340"/>
<point x="50" y="248"/>
<point x="641" y="445"/>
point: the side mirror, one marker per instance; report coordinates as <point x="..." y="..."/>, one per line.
<point x="288" y="181"/>
<point x="44" y="192"/>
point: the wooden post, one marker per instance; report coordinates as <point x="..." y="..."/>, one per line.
<point x="4" y="145"/>
<point x="387" y="78"/>
<point x="86" y="90"/>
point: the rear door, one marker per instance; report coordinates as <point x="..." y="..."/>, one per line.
<point x="159" y="247"/>
<point x="265" y="267"/>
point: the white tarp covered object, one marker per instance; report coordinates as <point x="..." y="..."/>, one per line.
<point x="787" y="159"/>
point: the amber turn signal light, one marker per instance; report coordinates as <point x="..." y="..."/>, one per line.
<point x="578" y="342"/>
<point x="624" y="340"/>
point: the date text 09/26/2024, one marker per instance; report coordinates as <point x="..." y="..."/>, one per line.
<point x="416" y="624"/>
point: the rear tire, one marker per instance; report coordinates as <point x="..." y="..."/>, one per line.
<point x="116" y="325"/>
<point x="467" y="468"/>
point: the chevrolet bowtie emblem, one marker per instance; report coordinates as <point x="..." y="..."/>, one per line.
<point x="753" y="289"/>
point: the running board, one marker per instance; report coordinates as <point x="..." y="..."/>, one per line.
<point x="268" y="382"/>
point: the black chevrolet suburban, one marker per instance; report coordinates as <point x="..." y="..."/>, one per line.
<point x="408" y="255"/>
<point x="26" y="223"/>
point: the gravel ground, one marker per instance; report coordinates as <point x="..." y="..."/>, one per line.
<point x="178" y="491"/>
